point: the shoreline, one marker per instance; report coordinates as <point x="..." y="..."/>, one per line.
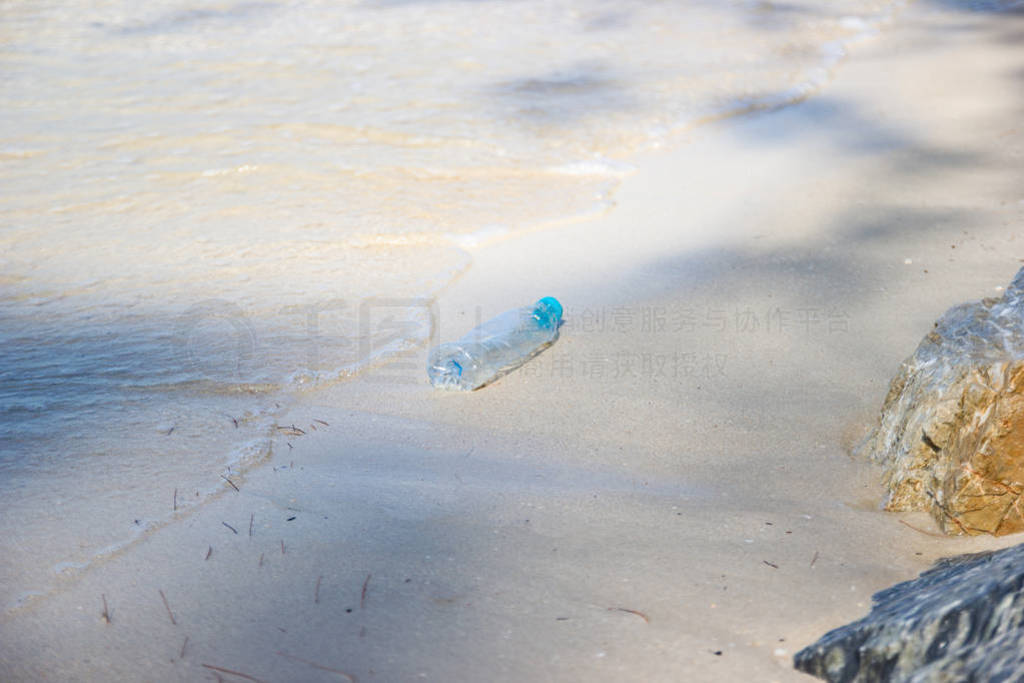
<point x="147" y="518"/>
<point x="655" y="525"/>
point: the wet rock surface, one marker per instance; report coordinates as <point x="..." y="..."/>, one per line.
<point x="951" y="432"/>
<point x="962" y="620"/>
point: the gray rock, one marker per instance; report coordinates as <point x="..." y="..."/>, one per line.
<point x="951" y="432"/>
<point x="962" y="620"/>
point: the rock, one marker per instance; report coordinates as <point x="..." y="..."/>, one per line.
<point x="1001" y="659"/>
<point x="962" y="620"/>
<point x="951" y="434"/>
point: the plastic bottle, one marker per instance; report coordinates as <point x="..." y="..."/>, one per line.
<point x="495" y="348"/>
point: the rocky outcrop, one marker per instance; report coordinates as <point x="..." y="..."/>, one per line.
<point x="951" y="433"/>
<point x="962" y="620"/>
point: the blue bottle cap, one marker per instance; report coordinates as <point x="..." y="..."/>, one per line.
<point x="550" y="306"/>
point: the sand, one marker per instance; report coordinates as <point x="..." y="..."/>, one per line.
<point x="665" y="494"/>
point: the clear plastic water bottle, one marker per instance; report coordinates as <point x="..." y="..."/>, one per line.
<point x="495" y="348"/>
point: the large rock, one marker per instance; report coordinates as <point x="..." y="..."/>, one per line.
<point x="963" y="620"/>
<point x="951" y="434"/>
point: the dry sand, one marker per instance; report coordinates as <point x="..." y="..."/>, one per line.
<point x="667" y="493"/>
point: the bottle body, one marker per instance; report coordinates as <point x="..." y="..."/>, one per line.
<point x="495" y="348"/>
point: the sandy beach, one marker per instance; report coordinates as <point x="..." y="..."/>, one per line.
<point x="669" y="492"/>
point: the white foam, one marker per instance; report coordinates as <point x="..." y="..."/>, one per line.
<point x="478" y="238"/>
<point x="599" y="166"/>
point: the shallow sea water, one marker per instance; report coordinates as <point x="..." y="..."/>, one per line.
<point x="207" y="207"/>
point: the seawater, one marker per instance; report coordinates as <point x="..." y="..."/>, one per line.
<point x="206" y="207"/>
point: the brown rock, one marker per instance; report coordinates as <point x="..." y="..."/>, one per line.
<point x="951" y="433"/>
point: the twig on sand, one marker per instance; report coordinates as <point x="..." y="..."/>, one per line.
<point x="181" y="655"/>
<point x="230" y="527"/>
<point x="169" y="612"/>
<point x="291" y="430"/>
<point x="282" y="546"/>
<point x="815" y="558"/>
<point x="209" y="551"/>
<point x="252" y="517"/>
<point x="348" y="676"/>
<point x="325" y="424"/>
<point x="233" y="673"/>
<point x="362" y="596"/>
<point x="230" y="482"/>
<point x="175" y="500"/>
<point x="771" y="564"/>
<point x="316" y="593"/>
<point x="106" y="612"/>
<point x="922" y="531"/>
<point x="630" y="611"/>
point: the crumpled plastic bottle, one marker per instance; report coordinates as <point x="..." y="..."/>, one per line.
<point x="495" y="348"/>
